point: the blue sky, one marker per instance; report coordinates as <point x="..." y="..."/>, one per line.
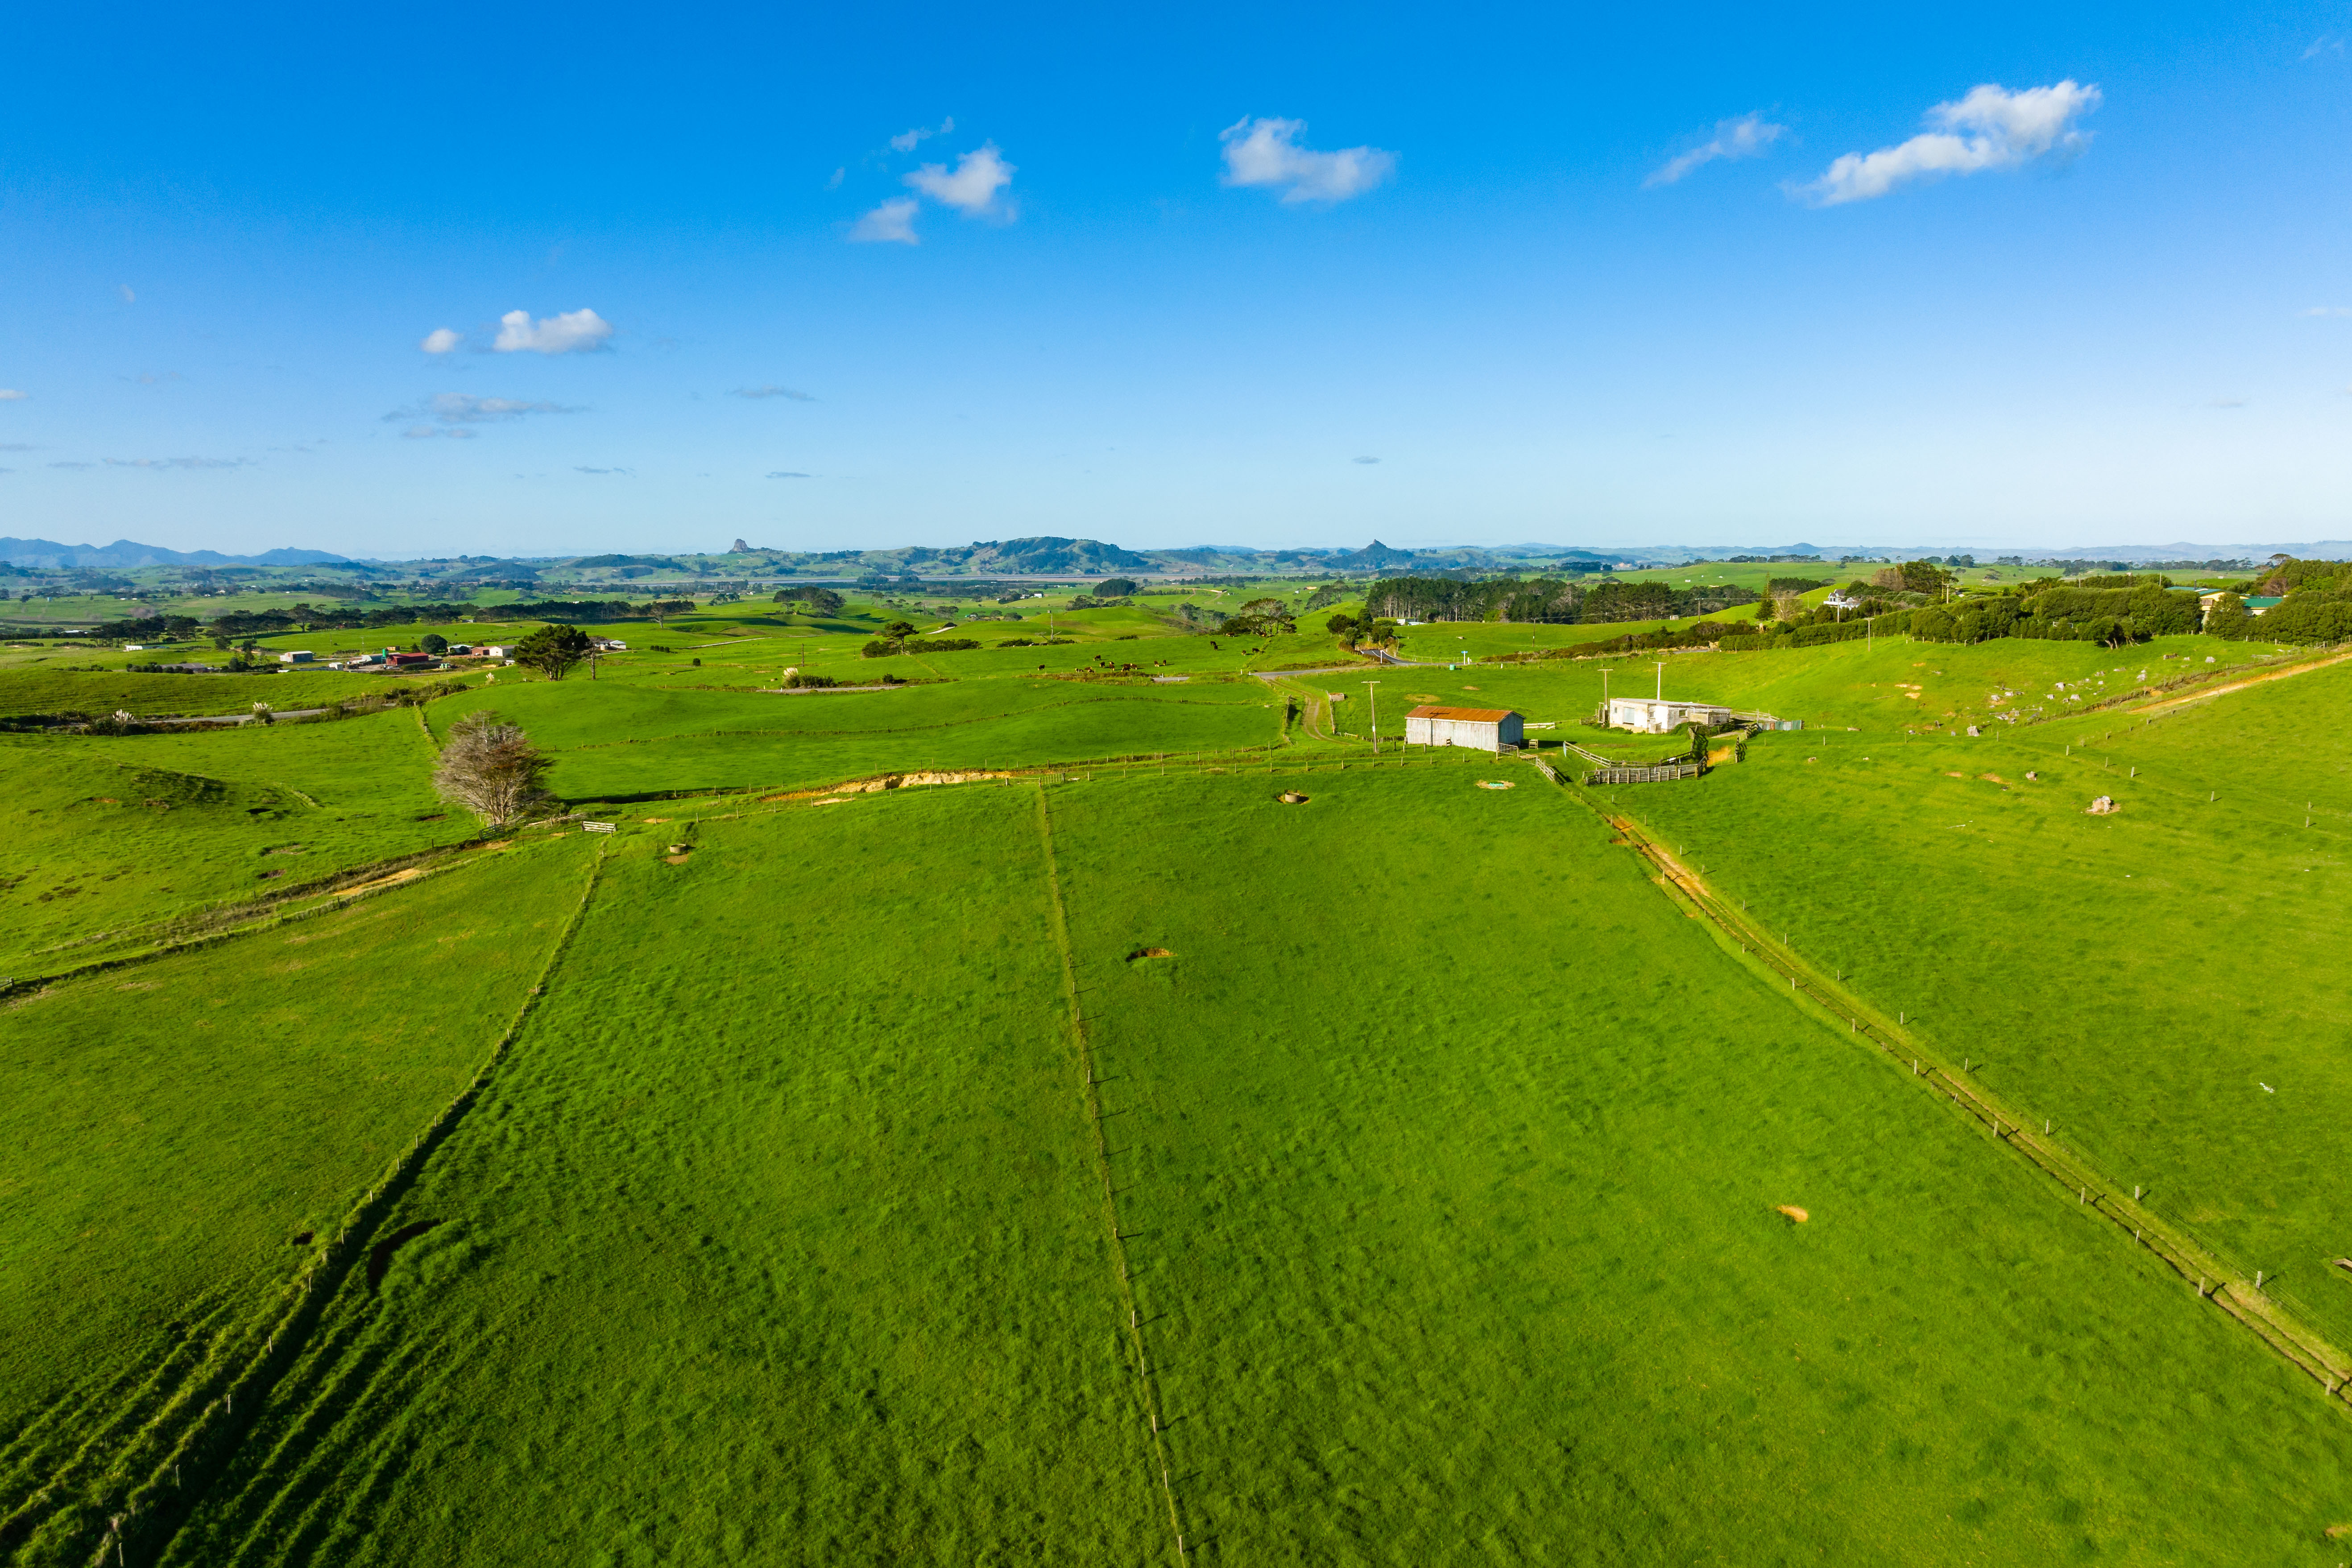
<point x="1173" y="275"/>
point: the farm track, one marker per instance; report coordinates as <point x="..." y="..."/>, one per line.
<point x="2214" y="1279"/>
<point x="143" y="1491"/>
<point x="1079" y="1038"/>
<point x="333" y="892"/>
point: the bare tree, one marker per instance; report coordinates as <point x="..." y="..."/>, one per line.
<point x="490" y="767"/>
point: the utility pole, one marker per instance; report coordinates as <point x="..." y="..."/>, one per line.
<point x="1661" y="680"/>
<point x="1372" y="701"/>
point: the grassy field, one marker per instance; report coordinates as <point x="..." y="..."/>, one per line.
<point x="1409" y="1191"/>
<point x="1444" y="1240"/>
<point x="29" y="690"/>
<point x="129" y="833"/>
<point x="632" y="739"/>
<point x="177" y="1133"/>
<point x="2156" y="983"/>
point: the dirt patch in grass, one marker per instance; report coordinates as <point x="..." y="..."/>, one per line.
<point x="1795" y="1213"/>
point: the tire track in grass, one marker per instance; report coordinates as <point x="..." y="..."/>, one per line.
<point x="193" y="1440"/>
<point x="2299" y="1345"/>
<point x="1085" y="1052"/>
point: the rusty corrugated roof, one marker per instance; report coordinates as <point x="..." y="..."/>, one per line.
<point x="1474" y="715"/>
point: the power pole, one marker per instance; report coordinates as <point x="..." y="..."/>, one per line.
<point x="1661" y="680"/>
<point x="1372" y="701"/>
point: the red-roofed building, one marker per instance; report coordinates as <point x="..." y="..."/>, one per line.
<point x="1483" y="729"/>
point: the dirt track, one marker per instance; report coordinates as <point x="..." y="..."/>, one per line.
<point x="2203" y="693"/>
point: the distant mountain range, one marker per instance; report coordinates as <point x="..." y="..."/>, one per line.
<point x="1050" y="556"/>
<point x="125" y="553"/>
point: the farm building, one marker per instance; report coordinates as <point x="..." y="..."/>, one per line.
<point x="1484" y="729"/>
<point x="1650" y="716"/>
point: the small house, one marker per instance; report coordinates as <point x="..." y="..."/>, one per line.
<point x="614" y="645"/>
<point x="1482" y="729"/>
<point x="408" y="660"/>
<point x="1654" y="716"/>
<point x="300" y="656"/>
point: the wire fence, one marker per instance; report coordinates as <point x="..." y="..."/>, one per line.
<point x="2280" y="1319"/>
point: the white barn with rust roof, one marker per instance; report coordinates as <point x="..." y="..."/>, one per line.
<point x="1483" y="729"/>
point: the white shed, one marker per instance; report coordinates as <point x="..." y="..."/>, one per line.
<point x="1484" y="729"/>
<point x="1650" y="716"/>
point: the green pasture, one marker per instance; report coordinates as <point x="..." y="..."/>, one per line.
<point x="2161" y="984"/>
<point x="179" y="1133"/>
<point x="780" y="1240"/>
<point x="26" y="690"/>
<point x="784" y="1235"/>
<point x="121" y="835"/>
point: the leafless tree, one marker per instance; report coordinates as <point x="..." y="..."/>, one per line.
<point x="490" y="767"/>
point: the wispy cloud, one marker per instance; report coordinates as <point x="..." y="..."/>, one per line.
<point x="1992" y="128"/>
<point x="970" y="187"/>
<point x="455" y="410"/>
<point x="789" y="474"/>
<point x="73" y="465"/>
<point x="2329" y="310"/>
<point x="430" y="432"/>
<point x="2226" y="403"/>
<point x="1749" y="136"/>
<point x="905" y="141"/>
<point x="572" y="333"/>
<point x="578" y="470"/>
<point x="784" y="392"/>
<point x="18" y="447"/>
<point x="2326" y="44"/>
<point x="892" y="223"/>
<point x="1266" y="152"/>
<point x="177" y="462"/>
<point x="442" y="340"/>
<point x="1363" y="459"/>
<point x="10" y="395"/>
<point x="124" y="289"/>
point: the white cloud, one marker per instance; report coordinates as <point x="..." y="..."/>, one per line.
<point x="572" y="331"/>
<point x="10" y="395"/>
<point x="128" y="296"/>
<point x="772" y="392"/>
<point x="1749" y="136"/>
<point x="441" y="340"/>
<point x="1266" y="152"/>
<point x="971" y="187"/>
<point x="578" y="470"/>
<point x="891" y="223"/>
<point x="789" y="474"/>
<point x="1992" y="128"/>
<point x="2314" y="310"/>
<point x="905" y="141"/>
<point x="1366" y="460"/>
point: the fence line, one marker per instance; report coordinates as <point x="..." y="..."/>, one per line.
<point x="1083" y="1040"/>
<point x="2216" y="1279"/>
<point x="199" y="1426"/>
